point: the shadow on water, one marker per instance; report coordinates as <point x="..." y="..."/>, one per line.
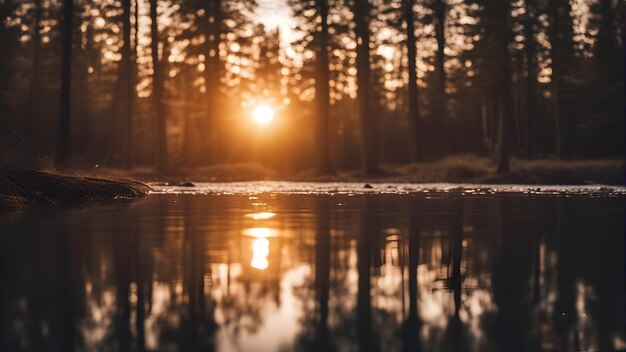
<point x="434" y="271"/>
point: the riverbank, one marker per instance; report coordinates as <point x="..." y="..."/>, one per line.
<point x="20" y="189"/>
<point x="455" y="169"/>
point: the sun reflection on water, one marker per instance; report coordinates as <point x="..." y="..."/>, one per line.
<point x="264" y="215"/>
<point x="260" y="252"/>
<point x="260" y="232"/>
<point x="260" y="246"/>
<point x="225" y="276"/>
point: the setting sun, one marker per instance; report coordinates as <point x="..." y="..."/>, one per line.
<point x="263" y="114"/>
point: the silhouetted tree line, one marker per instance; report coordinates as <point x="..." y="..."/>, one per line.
<point x="171" y="83"/>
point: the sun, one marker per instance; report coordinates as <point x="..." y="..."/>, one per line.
<point x="263" y="114"/>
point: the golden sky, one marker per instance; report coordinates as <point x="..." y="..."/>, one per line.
<point x="276" y="13"/>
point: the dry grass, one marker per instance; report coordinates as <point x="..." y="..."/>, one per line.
<point x="218" y="172"/>
<point x="458" y="168"/>
<point x="466" y="168"/>
<point x="610" y="172"/>
<point x="20" y="189"/>
<point x="475" y="169"/>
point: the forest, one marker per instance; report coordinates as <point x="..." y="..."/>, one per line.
<point x="352" y="85"/>
<point x="312" y="175"/>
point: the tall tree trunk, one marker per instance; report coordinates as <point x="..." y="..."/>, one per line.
<point x="607" y="42"/>
<point x="34" y="79"/>
<point x="561" y="40"/>
<point x="369" y="120"/>
<point x="135" y="52"/>
<point x="187" y="145"/>
<point x="553" y="9"/>
<point x="80" y="86"/>
<point x="212" y="39"/>
<point x="157" y="92"/>
<point x="530" y="50"/>
<point x="440" y="12"/>
<point x="135" y="74"/>
<point x="136" y="31"/>
<point x="503" y="84"/>
<point x="126" y="73"/>
<point x="322" y="92"/>
<point x="504" y="129"/>
<point x="414" y="112"/>
<point x="63" y="146"/>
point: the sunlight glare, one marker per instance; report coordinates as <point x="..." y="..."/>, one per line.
<point x="264" y="215"/>
<point x="260" y="252"/>
<point x="260" y="232"/>
<point x="263" y="115"/>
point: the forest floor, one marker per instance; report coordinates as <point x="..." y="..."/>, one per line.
<point x="19" y="189"/>
<point x="454" y="169"/>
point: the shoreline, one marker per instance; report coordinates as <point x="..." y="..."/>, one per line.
<point x="457" y="169"/>
<point x="24" y="189"/>
<point x="360" y="188"/>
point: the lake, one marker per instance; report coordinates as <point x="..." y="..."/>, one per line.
<point x="319" y="267"/>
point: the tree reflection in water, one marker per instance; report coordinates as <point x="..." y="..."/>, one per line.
<point x="447" y="271"/>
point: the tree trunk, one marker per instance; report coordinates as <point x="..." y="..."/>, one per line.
<point x="440" y="59"/>
<point x="369" y="120"/>
<point x="126" y="73"/>
<point x="212" y="40"/>
<point x="414" y="112"/>
<point x="530" y="50"/>
<point x="503" y="133"/>
<point x="136" y="29"/>
<point x="187" y="145"/>
<point x="63" y="146"/>
<point x="322" y="93"/>
<point x="135" y="68"/>
<point x="553" y="9"/>
<point x="561" y="40"/>
<point x="503" y="76"/>
<point x="157" y="92"/>
<point x="607" y="42"/>
<point x="34" y="79"/>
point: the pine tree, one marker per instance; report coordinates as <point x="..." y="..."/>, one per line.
<point x="495" y="66"/>
<point x="322" y="90"/>
<point x="127" y="82"/>
<point x="63" y="145"/>
<point x="439" y="13"/>
<point x="414" y="111"/>
<point x="562" y="57"/>
<point x="361" y="10"/>
<point x="530" y="55"/>
<point x="36" y="68"/>
<point x="161" y="150"/>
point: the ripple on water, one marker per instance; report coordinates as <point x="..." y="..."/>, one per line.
<point x="314" y="188"/>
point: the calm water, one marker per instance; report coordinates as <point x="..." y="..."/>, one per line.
<point x="287" y="272"/>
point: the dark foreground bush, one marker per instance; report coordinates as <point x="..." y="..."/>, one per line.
<point x="20" y="188"/>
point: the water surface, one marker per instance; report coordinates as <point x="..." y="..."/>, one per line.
<point x="417" y="270"/>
